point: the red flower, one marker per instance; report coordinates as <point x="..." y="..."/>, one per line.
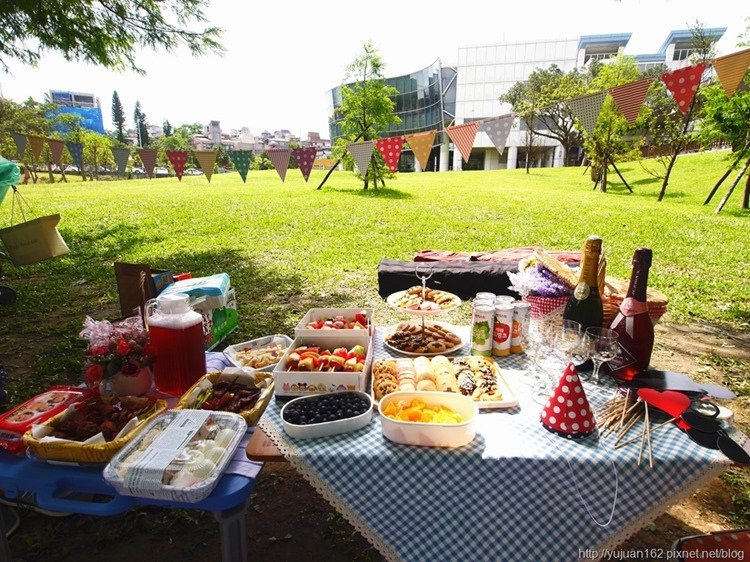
<point x="123" y="347"/>
<point x="100" y="350"/>
<point x="94" y="374"/>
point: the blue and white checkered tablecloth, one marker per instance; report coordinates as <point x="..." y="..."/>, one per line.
<point x="509" y="495"/>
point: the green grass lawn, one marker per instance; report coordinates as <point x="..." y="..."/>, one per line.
<point x="288" y="247"/>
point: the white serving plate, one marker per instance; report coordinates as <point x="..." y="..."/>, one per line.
<point x="315" y="314"/>
<point x="391" y="300"/>
<point x="455" y="329"/>
<point x="324" y="429"/>
<point x="510" y="400"/>
<point x="431" y="434"/>
<point x="231" y="351"/>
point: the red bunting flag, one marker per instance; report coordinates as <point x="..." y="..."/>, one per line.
<point x="683" y="84"/>
<point x="463" y="137"/>
<point x="280" y="159"/>
<point x="731" y="69"/>
<point x="178" y="158"/>
<point x="390" y="149"/>
<point x="305" y="158"/>
<point x="56" y="147"/>
<point x="37" y="144"/>
<point x="148" y="157"/>
<point x="629" y="98"/>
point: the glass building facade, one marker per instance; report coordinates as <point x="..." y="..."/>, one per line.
<point x="419" y="104"/>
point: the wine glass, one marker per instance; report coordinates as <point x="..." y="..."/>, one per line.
<point x="601" y="345"/>
<point x="568" y="340"/>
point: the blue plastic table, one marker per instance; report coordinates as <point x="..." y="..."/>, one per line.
<point x="56" y="486"/>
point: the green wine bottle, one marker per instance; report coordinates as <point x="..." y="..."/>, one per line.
<point x="585" y="304"/>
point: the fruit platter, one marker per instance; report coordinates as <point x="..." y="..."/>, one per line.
<point x="432" y="302"/>
<point x="327" y="414"/>
<point x="477" y="378"/>
<point x="415" y="339"/>
<point x="315" y="358"/>
<point x="335" y="322"/>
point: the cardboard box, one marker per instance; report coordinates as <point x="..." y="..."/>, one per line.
<point x="128" y="277"/>
<point x="219" y="316"/>
<point x="304" y="383"/>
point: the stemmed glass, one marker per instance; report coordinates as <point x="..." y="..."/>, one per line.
<point x="601" y="345"/>
<point x="568" y="341"/>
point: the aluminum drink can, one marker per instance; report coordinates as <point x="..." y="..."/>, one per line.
<point x="501" y="330"/>
<point x="481" y="329"/>
<point x="504" y="299"/>
<point x="487" y="298"/>
<point x="521" y="316"/>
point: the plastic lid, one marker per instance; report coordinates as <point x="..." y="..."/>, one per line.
<point x="176" y="303"/>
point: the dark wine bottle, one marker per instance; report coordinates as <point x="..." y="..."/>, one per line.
<point x="585" y="304"/>
<point x="633" y="323"/>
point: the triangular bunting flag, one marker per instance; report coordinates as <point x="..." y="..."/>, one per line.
<point x="241" y="160"/>
<point x="463" y="137"/>
<point x="76" y="151"/>
<point x="121" y="156"/>
<point x="498" y="130"/>
<point x="305" y="158"/>
<point x="421" y="146"/>
<point x="20" y="141"/>
<point x="683" y="84"/>
<point x="361" y="152"/>
<point x="586" y="109"/>
<point x="37" y="144"/>
<point x="629" y="98"/>
<point x="148" y="157"/>
<point x="56" y="148"/>
<point x="178" y="158"/>
<point x="390" y="149"/>
<point x="206" y="159"/>
<point x="280" y="159"/>
<point x="731" y="69"/>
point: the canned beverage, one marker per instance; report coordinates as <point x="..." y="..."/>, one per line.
<point x="481" y="329"/>
<point x="521" y="317"/>
<point x="501" y="331"/>
<point x="488" y="298"/>
<point x="504" y="299"/>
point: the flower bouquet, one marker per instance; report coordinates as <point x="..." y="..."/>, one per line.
<point x="119" y="356"/>
<point x="547" y="291"/>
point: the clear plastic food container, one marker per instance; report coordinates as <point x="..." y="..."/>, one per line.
<point x="180" y="456"/>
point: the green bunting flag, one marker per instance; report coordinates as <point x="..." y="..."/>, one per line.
<point x="241" y="160"/>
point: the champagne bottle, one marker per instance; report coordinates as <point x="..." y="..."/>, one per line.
<point x="585" y="304"/>
<point x="632" y="322"/>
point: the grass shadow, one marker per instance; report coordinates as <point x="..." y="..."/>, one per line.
<point x="380" y="193"/>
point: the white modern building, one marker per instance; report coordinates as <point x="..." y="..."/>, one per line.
<point x="439" y="96"/>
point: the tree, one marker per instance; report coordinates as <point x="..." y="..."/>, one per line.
<point x="367" y="109"/>
<point x="141" y="125"/>
<point x="167" y="128"/>
<point x="547" y="90"/>
<point x="118" y="118"/>
<point x="107" y="33"/>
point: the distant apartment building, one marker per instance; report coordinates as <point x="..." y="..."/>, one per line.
<point x="439" y="96"/>
<point x="84" y="105"/>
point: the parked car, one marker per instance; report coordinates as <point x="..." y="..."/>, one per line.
<point x="72" y="169"/>
<point x="161" y="171"/>
<point x="139" y="172"/>
<point x="223" y="170"/>
<point x="193" y="172"/>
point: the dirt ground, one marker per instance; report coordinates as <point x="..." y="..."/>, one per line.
<point x="288" y="521"/>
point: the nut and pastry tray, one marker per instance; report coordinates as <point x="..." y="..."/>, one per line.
<point x="476" y="377"/>
<point x="410" y="338"/>
<point x="435" y="301"/>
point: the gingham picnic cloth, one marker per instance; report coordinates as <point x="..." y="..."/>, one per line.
<point x="509" y="495"/>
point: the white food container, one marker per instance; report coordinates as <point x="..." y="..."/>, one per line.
<point x="431" y="434"/>
<point x="177" y="438"/>
<point x="279" y="339"/>
<point x="324" y="429"/>
<point x="304" y="383"/>
<point x="315" y="314"/>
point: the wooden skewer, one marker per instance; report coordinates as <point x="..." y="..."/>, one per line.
<point x="629" y="441"/>
<point x="629" y="424"/>
<point x="643" y="438"/>
<point x="624" y="407"/>
<point x="648" y="437"/>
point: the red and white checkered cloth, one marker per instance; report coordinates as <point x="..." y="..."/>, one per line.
<point x="545" y="306"/>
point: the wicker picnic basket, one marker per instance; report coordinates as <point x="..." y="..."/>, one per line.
<point x="251" y="416"/>
<point x="71" y="451"/>
<point x="616" y="289"/>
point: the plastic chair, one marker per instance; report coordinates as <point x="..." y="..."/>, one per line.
<point x="721" y="546"/>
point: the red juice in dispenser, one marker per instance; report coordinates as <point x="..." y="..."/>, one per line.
<point x="176" y="333"/>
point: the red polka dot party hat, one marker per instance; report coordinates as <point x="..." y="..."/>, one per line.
<point x="567" y="411"/>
